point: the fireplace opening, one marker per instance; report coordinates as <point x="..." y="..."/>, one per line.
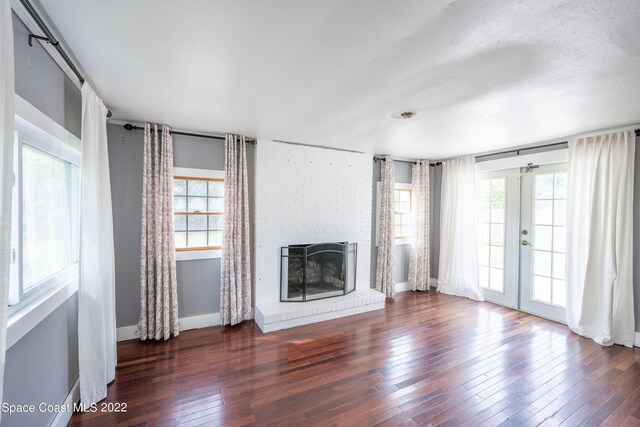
<point x="315" y="271"/>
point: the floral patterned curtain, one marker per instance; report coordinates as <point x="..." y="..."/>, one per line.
<point x="235" y="290"/>
<point x="385" y="266"/>
<point x="158" y="285"/>
<point x="419" y="258"/>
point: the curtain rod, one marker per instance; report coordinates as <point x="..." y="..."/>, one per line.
<point x="129" y="126"/>
<point x="376" y="158"/>
<point x="518" y="150"/>
<point x="49" y="38"/>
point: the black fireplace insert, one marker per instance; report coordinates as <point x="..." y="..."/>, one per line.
<point x="316" y="271"/>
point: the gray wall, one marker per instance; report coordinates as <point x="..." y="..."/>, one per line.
<point x="42" y="83"/>
<point x="402" y="174"/>
<point x="43" y="365"/>
<point x="198" y="280"/>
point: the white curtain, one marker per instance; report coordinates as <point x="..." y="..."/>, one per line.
<point x="458" y="268"/>
<point x="385" y="266"/>
<point x="158" y="283"/>
<point x="599" y="255"/>
<point x="96" y="291"/>
<point x="6" y="159"/>
<point x="421" y="204"/>
<point x="235" y="275"/>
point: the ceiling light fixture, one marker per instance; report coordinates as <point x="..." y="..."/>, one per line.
<point x="404" y="115"/>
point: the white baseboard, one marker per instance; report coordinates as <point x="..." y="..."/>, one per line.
<point x="63" y="417"/>
<point x="404" y="286"/>
<point x="636" y="341"/>
<point x="186" y="323"/>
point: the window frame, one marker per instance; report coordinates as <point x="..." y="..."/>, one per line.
<point x="201" y="252"/>
<point x="27" y="133"/>
<point x="399" y="240"/>
<point x="58" y="141"/>
<point x="395" y="212"/>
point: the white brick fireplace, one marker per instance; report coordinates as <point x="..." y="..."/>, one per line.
<point x="310" y="195"/>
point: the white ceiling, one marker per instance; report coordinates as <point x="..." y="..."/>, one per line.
<point x="482" y="75"/>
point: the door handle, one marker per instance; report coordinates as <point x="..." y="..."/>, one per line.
<point x="525" y="243"/>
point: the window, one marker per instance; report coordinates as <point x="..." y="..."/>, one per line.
<point x="198" y="206"/>
<point x="44" y="238"/>
<point x="402" y="204"/>
<point x="402" y="208"/>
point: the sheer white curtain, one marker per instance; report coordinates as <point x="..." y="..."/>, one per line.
<point x="236" y="292"/>
<point x="96" y="291"/>
<point x="600" y="238"/>
<point x="158" y="283"/>
<point x="6" y="159"/>
<point x="458" y="268"/>
<point x="385" y="266"/>
<point x="419" y="258"/>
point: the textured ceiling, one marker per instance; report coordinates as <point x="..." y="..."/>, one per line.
<point x="482" y="75"/>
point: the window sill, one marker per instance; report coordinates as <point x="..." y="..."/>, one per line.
<point x="195" y="255"/>
<point x="23" y="321"/>
<point x="404" y="241"/>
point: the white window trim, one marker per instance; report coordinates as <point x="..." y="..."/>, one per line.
<point x="28" y="317"/>
<point x="24" y="320"/>
<point x="198" y="173"/>
<point x="396" y="186"/>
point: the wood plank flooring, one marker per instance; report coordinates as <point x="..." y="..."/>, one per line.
<point x="426" y="359"/>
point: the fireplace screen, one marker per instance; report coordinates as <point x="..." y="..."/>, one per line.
<point x="316" y="271"/>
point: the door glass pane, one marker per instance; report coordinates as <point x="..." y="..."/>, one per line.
<point x="497" y="257"/>
<point x="497" y="234"/>
<point x="497" y="212"/>
<point x="559" y="239"/>
<point x="490" y="216"/>
<point x="559" y="212"/>
<point x="543" y="237"/>
<point x="496" y="278"/>
<point x="558" y="266"/>
<point x="549" y="215"/>
<point x="544" y="186"/>
<point x="483" y="233"/>
<point x="559" y="293"/>
<point x="560" y="189"/>
<point x="541" y="289"/>
<point x="483" y="255"/>
<point x="484" y="277"/>
<point x="542" y="263"/>
<point x="543" y="212"/>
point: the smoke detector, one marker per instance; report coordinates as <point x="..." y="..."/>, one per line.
<point x="404" y="115"/>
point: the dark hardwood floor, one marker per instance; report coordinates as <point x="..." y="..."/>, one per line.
<point x="427" y="359"/>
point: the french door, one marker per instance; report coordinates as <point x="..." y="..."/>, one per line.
<point x="521" y="223"/>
